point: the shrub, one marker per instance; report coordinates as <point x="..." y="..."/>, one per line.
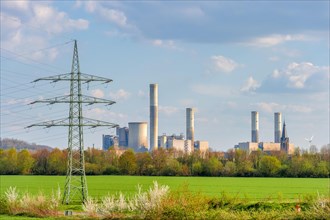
<point x="39" y="205"/>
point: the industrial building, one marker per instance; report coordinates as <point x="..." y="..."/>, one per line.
<point x="122" y="134"/>
<point x="138" y="135"/>
<point x="202" y="146"/>
<point x="281" y="141"/>
<point x="109" y="141"/>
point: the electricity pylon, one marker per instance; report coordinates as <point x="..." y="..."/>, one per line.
<point x="75" y="183"/>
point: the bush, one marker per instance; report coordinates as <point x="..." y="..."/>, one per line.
<point x="38" y="206"/>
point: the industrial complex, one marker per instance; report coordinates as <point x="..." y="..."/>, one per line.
<point x="281" y="139"/>
<point x="135" y="136"/>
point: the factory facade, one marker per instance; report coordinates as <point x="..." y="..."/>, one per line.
<point x="281" y="140"/>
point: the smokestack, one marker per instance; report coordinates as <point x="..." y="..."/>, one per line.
<point x="190" y="125"/>
<point x="277" y="127"/>
<point x="153" y="116"/>
<point x="255" y="126"/>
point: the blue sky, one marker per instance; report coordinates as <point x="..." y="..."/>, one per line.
<point x="223" y="58"/>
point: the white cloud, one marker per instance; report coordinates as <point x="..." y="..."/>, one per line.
<point x="168" y="110"/>
<point x="275" y="39"/>
<point x="250" y="85"/>
<point x="304" y="76"/>
<point x="22" y="5"/>
<point x="33" y="30"/>
<point x="54" y="21"/>
<point x="273" y="107"/>
<point x="109" y="14"/>
<point x="120" y="94"/>
<point x="223" y="64"/>
<point x="298" y="73"/>
<point x="115" y="16"/>
<point x="98" y="93"/>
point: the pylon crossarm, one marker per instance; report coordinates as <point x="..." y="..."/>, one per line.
<point x="66" y="99"/>
<point x="87" y="122"/>
<point x="86" y="78"/>
<point x="97" y="123"/>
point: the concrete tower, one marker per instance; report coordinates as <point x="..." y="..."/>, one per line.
<point x="285" y="139"/>
<point x="277" y="127"/>
<point x="190" y="125"/>
<point x="137" y="135"/>
<point x="153" y="116"/>
<point x="255" y="126"/>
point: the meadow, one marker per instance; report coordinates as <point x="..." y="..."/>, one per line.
<point x="249" y="188"/>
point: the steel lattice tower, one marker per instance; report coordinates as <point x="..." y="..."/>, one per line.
<point x="75" y="183"/>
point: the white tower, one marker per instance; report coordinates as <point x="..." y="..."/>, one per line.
<point x="255" y="126"/>
<point x="277" y="127"/>
<point x="190" y="121"/>
<point x="153" y="116"/>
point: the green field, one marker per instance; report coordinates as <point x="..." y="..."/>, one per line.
<point x="252" y="188"/>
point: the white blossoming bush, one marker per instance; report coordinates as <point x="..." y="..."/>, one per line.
<point x="38" y="205"/>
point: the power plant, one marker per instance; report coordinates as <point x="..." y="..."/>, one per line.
<point x="281" y="143"/>
<point x="153" y="116"/>
<point x="136" y="135"/>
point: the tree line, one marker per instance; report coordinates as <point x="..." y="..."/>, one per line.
<point x="170" y="163"/>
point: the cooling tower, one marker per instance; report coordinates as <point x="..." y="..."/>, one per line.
<point x="255" y="126"/>
<point x="137" y="135"/>
<point x="153" y="116"/>
<point x="190" y="125"/>
<point x="277" y="127"/>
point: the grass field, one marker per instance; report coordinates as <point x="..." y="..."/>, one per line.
<point x="252" y="188"/>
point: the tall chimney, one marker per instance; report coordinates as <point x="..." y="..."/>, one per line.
<point x="190" y="125"/>
<point x="153" y="116"/>
<point x="255" y="126"/>
<point x="277" y="127"/>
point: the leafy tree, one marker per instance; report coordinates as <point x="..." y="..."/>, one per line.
<point x="127" y="162"/>
<point x="92" y="169"/>
<point x="111" y="170"/>
<point x="269" y="165"/>
<point x="144" y="164"/>
<point x="56" y="162"/>
<point x="244" y="166"/>
<point x="172" y="168"/>
<point x="111" y="157"/>
<point x="10" y="161"/>
<point x="159" y="159"/>
<point x="321" y="169"/>
<point x="197" y="168"/>
<point x="40" y="165"/>
<point x="24" y="162"/>
<point x="213" y="167"/>
<point x="229" y="169"/>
